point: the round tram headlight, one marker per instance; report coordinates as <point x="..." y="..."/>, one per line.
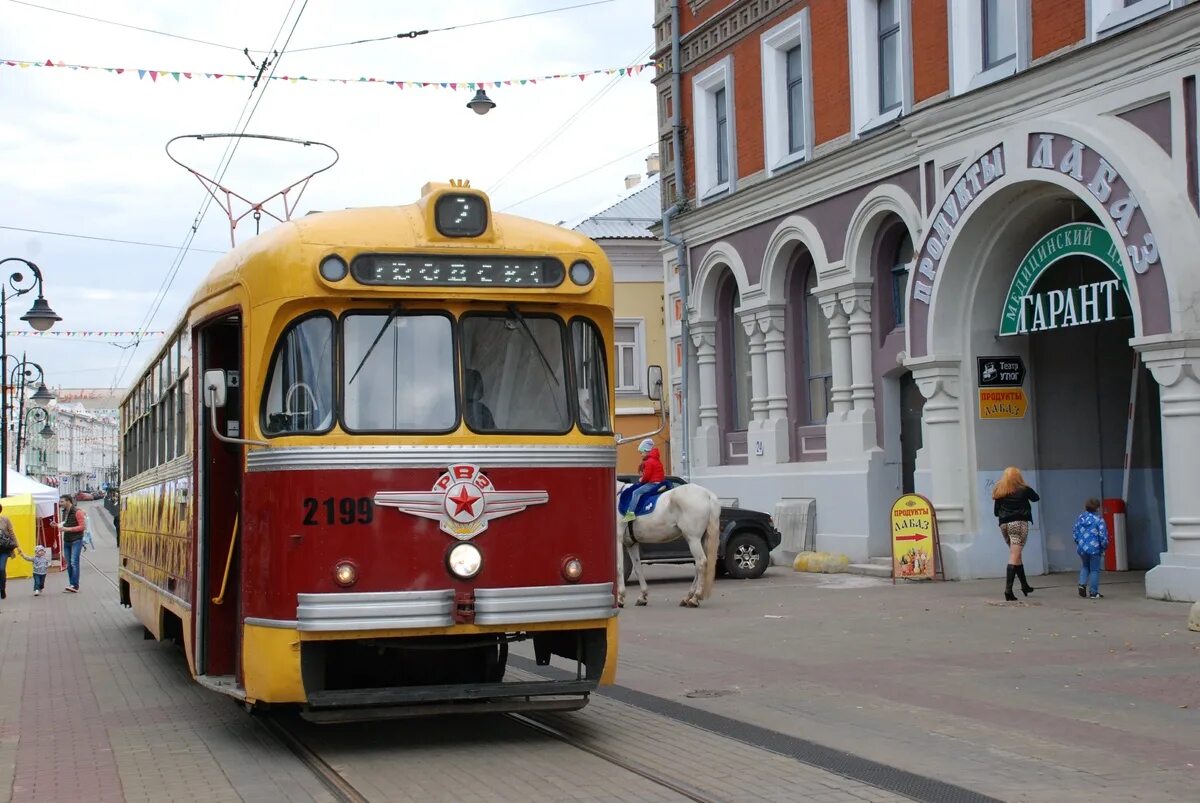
<point x="572" y="569"/>
<point x="582" y="273"/>
<point x="345" y="574"/>
<point x="464" y="561"/>
<point x="333" y="268"/>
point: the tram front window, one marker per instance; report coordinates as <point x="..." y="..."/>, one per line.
<point x="299" y="396"/>
<point x="398" y="373"/>
<point x="514" y="371"/>
<point x="591" y="377"/>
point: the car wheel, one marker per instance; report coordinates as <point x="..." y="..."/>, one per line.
<point x="746" y="556"/>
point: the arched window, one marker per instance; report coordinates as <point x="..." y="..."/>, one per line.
<point x="733" y="373"/>
<point x="819" y="363"/>
<point x="901" y="259"/>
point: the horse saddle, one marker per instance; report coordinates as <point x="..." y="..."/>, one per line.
<point x="647" y="494"/>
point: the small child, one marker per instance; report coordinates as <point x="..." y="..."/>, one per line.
<point x="41" y="565"/>
<point x="88" y="543"/>
<point x="1091" y="540"/>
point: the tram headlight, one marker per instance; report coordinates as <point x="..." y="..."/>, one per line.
<point x="333" y="268"/>
<point x="572" y="569"/>
<point x="345" y="574"/>
<point x="582" y="273"/>
<point x="465" y="561"/>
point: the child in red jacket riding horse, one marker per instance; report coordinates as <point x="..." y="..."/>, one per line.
<point x="652" y="473"/>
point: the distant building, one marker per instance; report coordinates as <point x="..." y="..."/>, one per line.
<point x="81" y="453"/>
<point x="622" y="230"/>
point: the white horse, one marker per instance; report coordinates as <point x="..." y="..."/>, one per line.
<point x="689" y="511"/>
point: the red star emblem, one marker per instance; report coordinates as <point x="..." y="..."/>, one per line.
<point x="464" y="501"/>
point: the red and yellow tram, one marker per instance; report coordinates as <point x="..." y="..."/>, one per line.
<point x="376" y="451"/>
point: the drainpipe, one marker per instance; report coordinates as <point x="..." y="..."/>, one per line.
<point x="677" y="240"/>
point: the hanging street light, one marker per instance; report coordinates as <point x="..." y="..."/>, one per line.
<point x="481" y="103"/>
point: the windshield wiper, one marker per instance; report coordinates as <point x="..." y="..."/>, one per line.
<point x="391" y="316"/>
<point x="513" y="311"/>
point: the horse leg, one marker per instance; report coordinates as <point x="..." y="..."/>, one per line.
<point x="635" y="556"/>
<point x="696" y="547"/>
<point x="620" y="567"/>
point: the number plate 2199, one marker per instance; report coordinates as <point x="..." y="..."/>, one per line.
<point x="344" y="510"/>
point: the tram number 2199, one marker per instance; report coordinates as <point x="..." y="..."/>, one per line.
<point x="346" y="510"/>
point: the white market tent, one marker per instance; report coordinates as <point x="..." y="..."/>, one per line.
<point x="45" y="497"/>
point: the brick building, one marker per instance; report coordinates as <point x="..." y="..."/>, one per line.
<point x="878" y="202"/>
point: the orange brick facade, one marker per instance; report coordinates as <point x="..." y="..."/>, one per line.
<point x="1055" y="24"/>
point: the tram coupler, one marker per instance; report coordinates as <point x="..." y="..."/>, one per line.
<point x="464" y="607"/>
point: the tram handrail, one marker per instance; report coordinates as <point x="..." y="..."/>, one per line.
<point x="220" y="598"/>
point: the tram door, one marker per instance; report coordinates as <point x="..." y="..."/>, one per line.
<point x="218" y="550"/>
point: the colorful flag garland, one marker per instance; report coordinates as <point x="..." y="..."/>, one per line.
<point x="470" y="86"/>
<point x="82" y="333"/>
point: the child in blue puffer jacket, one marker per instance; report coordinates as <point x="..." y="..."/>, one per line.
<point x="1091" y="539"/>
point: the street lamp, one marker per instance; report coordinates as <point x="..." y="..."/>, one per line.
<point x="41" y="318"/>
<point x="23" y="373"/>
<point x="481" y="103"/>
<point x="37" y="414"/>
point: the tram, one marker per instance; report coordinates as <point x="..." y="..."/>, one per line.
<point x="376" y="451"/>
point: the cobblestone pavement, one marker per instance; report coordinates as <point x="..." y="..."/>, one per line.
<point x="89" y="711"/>
<point x="1054" y="698"/>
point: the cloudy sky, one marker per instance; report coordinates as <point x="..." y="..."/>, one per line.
<point x="83" y="150"/>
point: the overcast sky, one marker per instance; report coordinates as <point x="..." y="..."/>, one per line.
<point x="82" y="152"/>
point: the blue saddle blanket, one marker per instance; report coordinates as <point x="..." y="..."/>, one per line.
<point x="647" y="492"/>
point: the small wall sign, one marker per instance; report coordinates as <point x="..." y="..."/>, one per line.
<point x="1002" y="403"/>
<point x="1001" y="372"/>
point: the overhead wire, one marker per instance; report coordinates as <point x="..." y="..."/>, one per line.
<point x="125" y="25"/>
<point x="576" y="178"/>
<point x="565" y="125"/>
<point x="223" y="166"/>
<point x="103" y="239"/>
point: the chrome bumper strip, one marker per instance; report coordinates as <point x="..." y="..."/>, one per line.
<point x="382" y="610"/>
<point x="321" y="458"/>
<point x="500" y="606"/>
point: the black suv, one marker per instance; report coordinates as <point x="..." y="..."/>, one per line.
<point x="747" y="538"/>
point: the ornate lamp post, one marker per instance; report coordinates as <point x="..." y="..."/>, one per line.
<point x="41" y="318"/>
<point x="23" y="373"/>
<point x="38" y="415"/>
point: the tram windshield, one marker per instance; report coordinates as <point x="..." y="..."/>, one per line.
<point x="405" y="380"/>
<point x="514" y="374"/>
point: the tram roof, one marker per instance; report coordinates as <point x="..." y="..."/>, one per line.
<point x="381" y="229"/>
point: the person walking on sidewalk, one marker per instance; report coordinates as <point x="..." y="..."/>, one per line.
<point x="1012" y="497"/>
<point x="41" y="565"/>
<point x="1091" y="540"/>
<point x="73" y="525"/>
<point x="8" y="543"/>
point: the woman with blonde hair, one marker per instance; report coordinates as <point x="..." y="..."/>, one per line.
<point x="1012" y="497"/>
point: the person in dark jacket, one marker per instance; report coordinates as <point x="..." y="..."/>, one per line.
<point x="1012" y="498"/>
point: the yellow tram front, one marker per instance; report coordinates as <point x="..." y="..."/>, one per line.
<point x="404" y="462"/>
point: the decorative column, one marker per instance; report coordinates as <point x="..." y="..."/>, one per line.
<point x="943" y="454"/>
<point x="776" y="428"/>
<point x="1174" y="361"/>
<point x="857" y="304"/>
<point x="748" y="319"/>
<point x="839" y="349"/>
<point x="706" y="441"/>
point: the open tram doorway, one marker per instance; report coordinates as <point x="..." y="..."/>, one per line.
<point x="218" y="583"/>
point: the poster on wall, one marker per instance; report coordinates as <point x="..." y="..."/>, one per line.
<point x="916" y="551"/>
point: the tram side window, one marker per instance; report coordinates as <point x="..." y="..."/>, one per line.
<point x="514" y="374"/>
<point x="299" y="397"/>
<point x="591" y="377"/>
<point x="398" y="373"/>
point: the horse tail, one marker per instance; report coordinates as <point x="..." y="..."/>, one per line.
<point x="712" y="536"/>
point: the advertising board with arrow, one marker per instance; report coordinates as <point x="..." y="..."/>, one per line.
<point x="916" y="550"/>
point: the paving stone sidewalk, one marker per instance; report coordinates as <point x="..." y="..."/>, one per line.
<point x="89" y="711"/>
<point x="1054" y="698"/>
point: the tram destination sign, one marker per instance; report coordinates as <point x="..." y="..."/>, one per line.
<point x="420" y="270"/>
<point x="1001" y="372"/>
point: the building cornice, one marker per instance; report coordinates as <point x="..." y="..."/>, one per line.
<point x="732" y="24"/>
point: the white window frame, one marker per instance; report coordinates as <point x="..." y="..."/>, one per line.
<point x="638" y="388"/>
<point x="1106" y="17"/>
<point x="966" y="46"/>
<point x="704" y="124"/>
<point x="864" y="65"/>
<point x="793" y="32"/>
